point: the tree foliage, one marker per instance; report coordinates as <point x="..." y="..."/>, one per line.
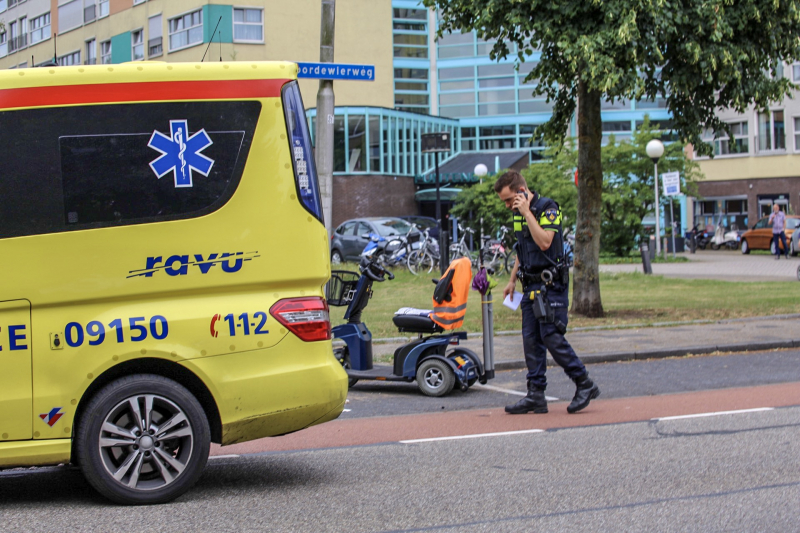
<point x="698" y="55"/>
<point x="628" y="185"/>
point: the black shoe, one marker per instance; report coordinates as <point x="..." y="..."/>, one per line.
<point x="585" y="392"/>
<point x="534" y="401"/>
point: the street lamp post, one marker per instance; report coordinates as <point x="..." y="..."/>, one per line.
<point x="433" y="143"/>
<point x="655" y="149"/>
<point x="480" y="170"/>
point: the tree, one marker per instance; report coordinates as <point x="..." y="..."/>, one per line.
<point x="699" y="55"/>
<point x="628" y="185"/>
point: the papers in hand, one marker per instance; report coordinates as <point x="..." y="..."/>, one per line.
<point x="513" y="300"/>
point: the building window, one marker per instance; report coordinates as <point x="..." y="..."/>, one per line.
<point x="105" y="52"/>
<point x="73" y="58"/>
<point x="186" y="30"/>
<point x="102" y="8"/>
<point x="18" y="37"/>
<point x="135" y="2"/>
<point x="248" y="25"/>
<point x="91" y="52"/>
<point x="455" y="45"/>
<point x="796" y="124"/>
<point x="137" y="45"/>
<point x="723" y="144"/>
<point x="3" y="44"/>
<point x="70" y="16"/>
<point x="411" y="89"/>
<point x="40" y="28"/>
<point x="410" y="33"/>
<point x="771" y="131"/>
<point x="155" y="46"/>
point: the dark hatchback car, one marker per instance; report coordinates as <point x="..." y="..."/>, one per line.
<point x="348" y="240"/>
<point x="425" y="223"/>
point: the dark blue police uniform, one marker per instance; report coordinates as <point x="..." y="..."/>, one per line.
<point x="538" y="337"/>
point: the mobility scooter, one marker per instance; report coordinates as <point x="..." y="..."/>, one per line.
<point x="431" y="359"/>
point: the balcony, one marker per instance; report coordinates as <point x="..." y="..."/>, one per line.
<point x="17" y="43"/>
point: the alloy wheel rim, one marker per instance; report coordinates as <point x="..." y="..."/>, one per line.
<point x="146" y="442"/>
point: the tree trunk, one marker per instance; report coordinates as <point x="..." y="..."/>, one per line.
<point x="586" y="278"/>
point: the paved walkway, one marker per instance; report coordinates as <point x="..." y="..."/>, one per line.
<point x="721" y="265"/>
<point x="603" y="345"/>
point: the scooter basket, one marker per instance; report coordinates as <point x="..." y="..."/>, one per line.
<point x="341" y="288"/>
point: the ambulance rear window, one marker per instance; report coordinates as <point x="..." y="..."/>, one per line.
<point x="109" y="165"/>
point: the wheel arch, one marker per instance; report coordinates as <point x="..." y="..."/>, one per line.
<point x="159" y="367"/>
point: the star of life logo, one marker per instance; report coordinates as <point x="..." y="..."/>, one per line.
<point x="180" y="154"/>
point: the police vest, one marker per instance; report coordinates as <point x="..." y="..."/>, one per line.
<point x="450" y="296"/>
<point x="531" y="257"/>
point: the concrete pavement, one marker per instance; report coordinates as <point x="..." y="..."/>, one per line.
<point x="721" y="265"/>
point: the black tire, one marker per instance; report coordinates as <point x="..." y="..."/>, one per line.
<point x="435" y="377"/>
<point x="336" y="257"/>
<point x="792" y="251"/>
<point x="714" y="246"/>
<point x="745" y="247"/>
<point x="510" y="258"/>
<point x="167" y="462"/>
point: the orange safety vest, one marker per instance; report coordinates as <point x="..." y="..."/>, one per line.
<point x="449" y="312"/>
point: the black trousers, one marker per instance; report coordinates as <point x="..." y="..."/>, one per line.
<point x="538" y="338"/>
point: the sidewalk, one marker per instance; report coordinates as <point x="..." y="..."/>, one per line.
<point x="595" y="345"/>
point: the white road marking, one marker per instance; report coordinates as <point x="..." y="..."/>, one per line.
<point x="717" y="413"/>
<point x="514" y="392"/>
<point x="346" y="410"/>
<point x="476" y="436"/>
<point x="229" y="456"/>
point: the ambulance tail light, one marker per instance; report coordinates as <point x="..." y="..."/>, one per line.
<point x="305" y="171"/>
<point x="307" y="318"/>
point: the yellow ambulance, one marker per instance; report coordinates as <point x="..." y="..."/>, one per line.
<point x="164" y="257"/>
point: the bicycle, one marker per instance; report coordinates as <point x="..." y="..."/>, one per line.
<point x="426" y="257"/>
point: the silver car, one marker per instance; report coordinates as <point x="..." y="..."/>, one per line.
<point x="350" y="238"/>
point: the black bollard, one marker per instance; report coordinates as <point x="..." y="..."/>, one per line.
<point x="644" y="248"/>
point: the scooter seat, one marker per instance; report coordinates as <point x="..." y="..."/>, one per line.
<point x="409" y="320"/>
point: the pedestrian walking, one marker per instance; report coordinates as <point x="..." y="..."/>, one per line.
<point x="542" y="269"/>
<point x="778" y="221"/>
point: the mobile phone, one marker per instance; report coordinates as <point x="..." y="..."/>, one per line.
<point x="521" y="191"/>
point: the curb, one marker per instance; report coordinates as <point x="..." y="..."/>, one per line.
<point x="613" y="357"/>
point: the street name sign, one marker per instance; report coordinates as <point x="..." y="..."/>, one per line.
<point x="672" y="183"/>
<point x="336" y="71"/>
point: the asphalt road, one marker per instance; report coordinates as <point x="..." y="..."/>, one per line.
<point x="734" y="472"/>
<point x="616" y="380"/>
<point x="610" y="468"/>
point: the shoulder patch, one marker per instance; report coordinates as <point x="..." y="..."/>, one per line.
<point x="551" y="214"/>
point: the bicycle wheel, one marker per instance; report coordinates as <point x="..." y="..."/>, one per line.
<point x="511" y="257"/>
<point x="423" y="263"/>
<point x="494" y="262"/>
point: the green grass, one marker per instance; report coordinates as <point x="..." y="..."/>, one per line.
<point x="630" y="298"/>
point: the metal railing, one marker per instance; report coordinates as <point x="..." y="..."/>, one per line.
<point x="17" y="43"/>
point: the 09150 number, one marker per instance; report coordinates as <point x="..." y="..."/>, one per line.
<point x="75" y="334"/>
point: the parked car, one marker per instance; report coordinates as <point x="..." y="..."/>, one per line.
<point x="348" y="240"/>
<point x="425" y="223"/>
<point x="759" y="237"/>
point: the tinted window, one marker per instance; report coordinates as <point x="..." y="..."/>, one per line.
<point x="363" y="228"/>
<point x="392" y="226"/>
<point x="95" y="166"/>
<point x="762" y="223"/>
<point x="349" y="228"/>
<point x="792" y="223"/>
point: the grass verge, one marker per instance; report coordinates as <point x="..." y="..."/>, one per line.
<point x="628" y="298"/>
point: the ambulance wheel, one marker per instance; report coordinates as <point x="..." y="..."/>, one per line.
<point x="435" y="377"/>
<point x="143" y="439"/>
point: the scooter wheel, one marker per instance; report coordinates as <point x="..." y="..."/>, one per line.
<point x="435" y="378"/>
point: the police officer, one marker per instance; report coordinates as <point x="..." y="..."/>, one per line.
<point x="542" y="269"/>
